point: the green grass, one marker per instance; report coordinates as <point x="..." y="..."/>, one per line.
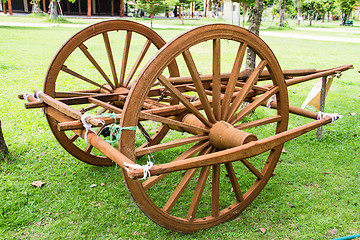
<point x="314" y="190"/>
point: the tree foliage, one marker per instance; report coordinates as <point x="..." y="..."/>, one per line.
<point x="152" y="7"/>
<point x="346" y="7"/>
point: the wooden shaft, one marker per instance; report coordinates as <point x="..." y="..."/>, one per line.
<point x="296" y="110"/>
<point x="317" y="75"/>
<point x="233" y="154"/>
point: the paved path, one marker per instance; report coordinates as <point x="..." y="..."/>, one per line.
<point x="309" y="37"/>
<point x="262" y="32"/>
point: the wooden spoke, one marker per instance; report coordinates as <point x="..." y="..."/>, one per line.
<point x="125" y="57"/>
<point x="171" y="144"/>
<point x="234" y="182"/>
<point x="215" y="190"/>
<point x="73" y="94"/>
<point x="74" y="137"/>
<point x="79" y="76"/>
<point x="144" y="132"/>
<point x="88" y="108"/>
<point x="252" y="169"/>
<point x="197" y="193"/>
<point x="170" y="121"/>
<point x="245" y="90"/>
<point x="216" y="81"/>
<point x="110" y="57"/>
<point x="253" y="105"/>
<point x="89" y="148"/>
<point x="183" y="99"/>
<point x="259" y="122"/>
<point x="138" y="62"/>
<point x="187" y="154"/>
<point x="83" y="48"/>
<point x="233" y="78"/>
<point x="198" y="85"/>
<point x="105" y="105"/>
<point x="179" y="189"/>
<point x="182" y="185"/>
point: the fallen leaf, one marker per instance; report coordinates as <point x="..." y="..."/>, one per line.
<point x="232" y="230"/>
<point x="102" y="184"/>
<point x="232" y="190"/>
<point x="93" y="185"/>
<point x="331" y="232"/>
<point x="325" y="173"/>
<point x="306" y="146"/>
<point x="352" y="114"/>
<point x="262" y="230"/>
<point x="38" y="183"/>
<point x="292" y="206"/>
<point x="355" y="203"/>
<point x="283" y="150"/>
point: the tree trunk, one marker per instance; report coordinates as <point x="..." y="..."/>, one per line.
<point x="121" y="8"/>
<point x="214" y="8"/>
<point x="44" y="6"/>
<point x="254" y="28"/>
<point x="79" y="7"/>
<point x="4" y="8"/>
<point x="53" y="9"/>
<point x="310" y="19"/>
<point x="244" y="13"/>
<point x="3" y="148"/>
<point x="281" y="15"/>
<point x="299" y="11"/>
<point x="68" y="7"/>
<point x="205" y="8"/>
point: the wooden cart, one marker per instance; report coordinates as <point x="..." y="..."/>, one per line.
<point x="195" y="142"/>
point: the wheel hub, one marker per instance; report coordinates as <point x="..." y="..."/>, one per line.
<point x="223" y="135"/>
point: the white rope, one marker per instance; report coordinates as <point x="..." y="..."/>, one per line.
<point x="146" y="168"/>
<point x="87" y="126"/>
<point x="272" y="99"/>
<point x="334" y="116"/>
<point x="26" y="96"/>
<point x="37" y="95"/>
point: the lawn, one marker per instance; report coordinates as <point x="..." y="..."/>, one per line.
<point x="313" y="194"/>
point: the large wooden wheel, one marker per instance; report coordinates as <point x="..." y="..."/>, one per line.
<point x="100" y="59"/>
<point x="207" y="121"/>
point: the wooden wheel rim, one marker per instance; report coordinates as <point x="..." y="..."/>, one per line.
<point x="63" y="54"/>
<point x="132" y="108"/>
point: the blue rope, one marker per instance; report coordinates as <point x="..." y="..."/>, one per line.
<point x="115" y="130"/>
<point x="348" y="237"/>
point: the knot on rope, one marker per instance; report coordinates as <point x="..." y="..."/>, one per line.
<point x="37" y="95"/>
<point x="334" y="116"/>
<point x="146" y="168"/>
<point x="86" y="125"/>
<point x="272" y="99"/>
<point x="114" y="130"/>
